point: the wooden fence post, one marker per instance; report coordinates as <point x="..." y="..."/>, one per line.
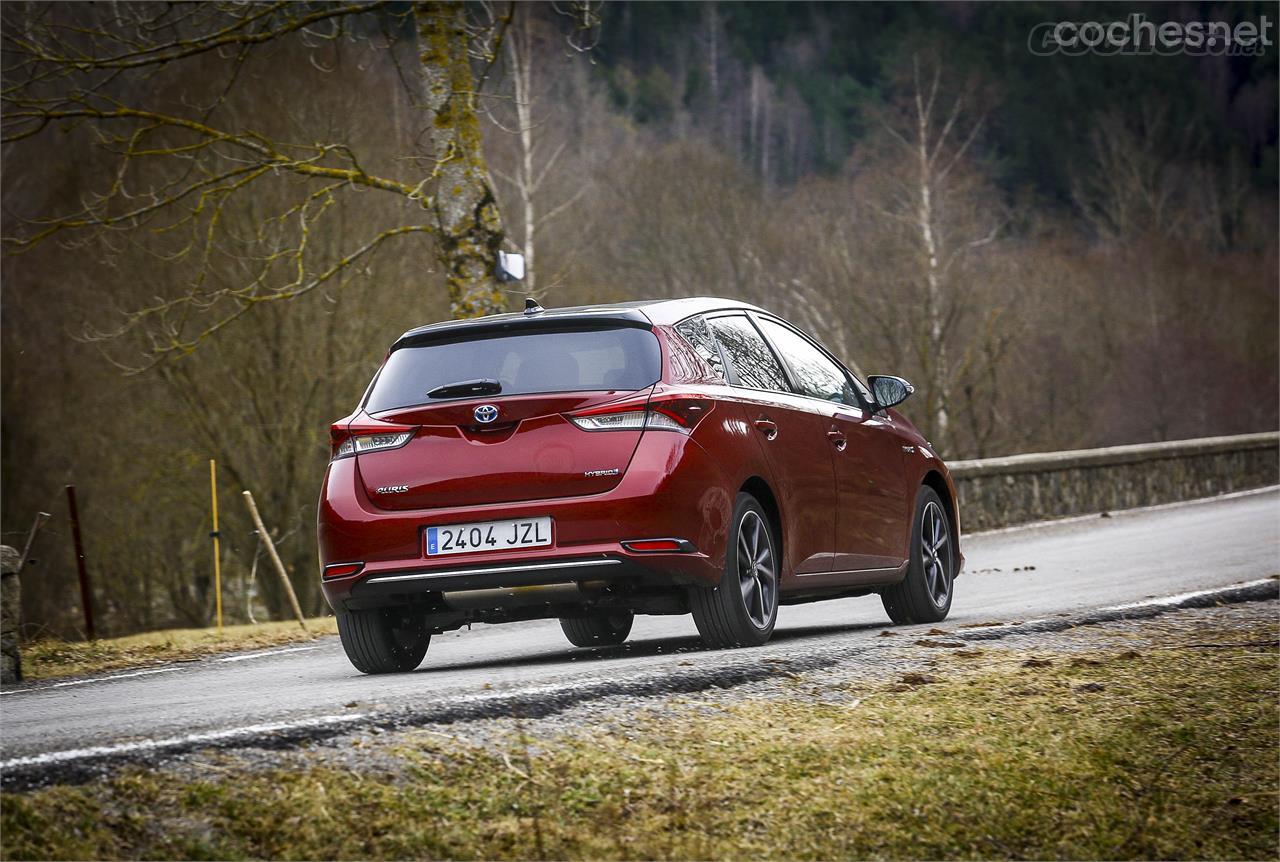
<point x="217" y="548"/>
<point x="275" y="558"/>
<point x="86" y="592"/>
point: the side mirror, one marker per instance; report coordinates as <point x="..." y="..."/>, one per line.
<point x="889" y="390"/>
<point x="510" y="266"/>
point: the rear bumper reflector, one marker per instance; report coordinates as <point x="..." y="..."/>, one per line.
<point x="660" y="546"/>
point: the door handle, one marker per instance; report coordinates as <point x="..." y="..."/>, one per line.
<point x="768" y="427"/>
<point x="837" y="437"/>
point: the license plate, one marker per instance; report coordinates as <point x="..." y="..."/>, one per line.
<point x="488" y="536"/>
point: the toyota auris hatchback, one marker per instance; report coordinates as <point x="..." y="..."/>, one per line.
<point x="694" y="456"/>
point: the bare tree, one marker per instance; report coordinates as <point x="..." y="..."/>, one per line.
<point x="925" y="195"/>
<point x="1145" y="176"/>
<point x="526" y="46"/>
<point x="173" y="163"/>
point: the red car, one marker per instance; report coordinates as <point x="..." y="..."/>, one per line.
<point x="688" y="456"/>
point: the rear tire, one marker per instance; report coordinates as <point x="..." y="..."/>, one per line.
<point x="924" y="595"/>
<point x="743" y="608"/>
<point x="601" y="630"/>
<point x="383" y="640"/>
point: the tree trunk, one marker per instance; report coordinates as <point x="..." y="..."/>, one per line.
<point x="755" y="113"/>
<point x="468" y="224"/>
<point x="765" y="134"/>
<point x="713" y="65"/>
<point x="937" y="347"/>
<point x="520" y="53"/>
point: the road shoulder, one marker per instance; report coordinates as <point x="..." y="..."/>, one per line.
<point x="1153" y="736"/>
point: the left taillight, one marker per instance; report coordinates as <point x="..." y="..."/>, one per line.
<point x="347" y="443"/>
<point x="673" y="412"/>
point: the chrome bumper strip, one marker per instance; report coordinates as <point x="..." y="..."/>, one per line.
<point x="497" y="570"/>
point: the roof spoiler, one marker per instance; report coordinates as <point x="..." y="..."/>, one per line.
<point x="543" y="320"/>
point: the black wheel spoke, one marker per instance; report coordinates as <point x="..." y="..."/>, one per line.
<point x="935" y="556"/>
<point x="756" y="570"/>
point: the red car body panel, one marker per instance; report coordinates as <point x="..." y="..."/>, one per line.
<point x="535" y="454"/>
<point x="800" y="469"/>
<point x="843" y="482"/>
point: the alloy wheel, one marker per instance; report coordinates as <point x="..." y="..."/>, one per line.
<point x="935" y="553"/>
<point x="757" y="569"/>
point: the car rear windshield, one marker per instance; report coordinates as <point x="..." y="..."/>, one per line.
<point x="616" y="358"/>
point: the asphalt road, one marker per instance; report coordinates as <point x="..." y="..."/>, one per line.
<point x="1036" y="572"/>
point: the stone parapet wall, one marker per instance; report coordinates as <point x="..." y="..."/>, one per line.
<point x="998" y="492"/>
<point x="10" y="613"/>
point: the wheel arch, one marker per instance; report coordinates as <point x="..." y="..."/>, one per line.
<point x="942" y="487"/>
<point x="759" y="488"/>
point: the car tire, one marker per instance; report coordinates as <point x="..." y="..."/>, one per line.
<point x="925" y="594"/>
<point x="383" y="640"/>
<point x="598" y="630"/>
<point x="743" y="608"/>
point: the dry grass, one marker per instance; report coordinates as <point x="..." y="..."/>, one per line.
<point x="1168" y="753"/>
<point x="47" y="659"/>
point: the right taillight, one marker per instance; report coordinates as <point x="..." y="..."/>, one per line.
<point x="664" y="412"/>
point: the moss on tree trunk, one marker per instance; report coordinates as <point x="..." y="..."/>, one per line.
<point x="466" y="212"/>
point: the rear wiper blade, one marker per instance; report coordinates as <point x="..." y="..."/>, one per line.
<point x="483" y="386"/>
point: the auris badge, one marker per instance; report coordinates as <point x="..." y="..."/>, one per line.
<point x="485" y="413"/>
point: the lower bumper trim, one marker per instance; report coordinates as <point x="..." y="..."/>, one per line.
<point x="492" y="570"/>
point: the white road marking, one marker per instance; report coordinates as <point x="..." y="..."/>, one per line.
<point x="152" y="671"/>
<point x="265" y="654"/>
<point x="85" y="681"/>
<point x="249" y="730"/>
<point x="1182" y="597"/>
<point x="1116" y="513"/>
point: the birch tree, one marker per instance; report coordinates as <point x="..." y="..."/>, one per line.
<point x="931" y="129"/>
<point x="545" y="121"/>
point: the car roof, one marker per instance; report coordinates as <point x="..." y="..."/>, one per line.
<point x="668" y="311"/>
<point x="644" y="313"/>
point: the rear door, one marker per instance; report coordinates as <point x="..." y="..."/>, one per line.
<point x="871" y="511"/>
<point x="512" y="442"/>
<point x="790" y="430"/>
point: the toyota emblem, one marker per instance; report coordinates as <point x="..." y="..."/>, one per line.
<point x="485" y="413"/>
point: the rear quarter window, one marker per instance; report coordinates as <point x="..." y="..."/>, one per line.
<point x="615" y="358"/>
<point x="698" y="334"/>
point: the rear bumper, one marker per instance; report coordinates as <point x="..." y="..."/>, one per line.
<point x="603" y="571"/>
<point x="673" y="488"/>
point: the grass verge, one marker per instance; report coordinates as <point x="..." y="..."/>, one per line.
<point x="1169" y="753"/>
<point x="48" y="659"/>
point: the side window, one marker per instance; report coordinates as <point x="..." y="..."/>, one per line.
<point x="754" y="364"/>
<point x="816" y="375"/>
<point x="696" y="332"/>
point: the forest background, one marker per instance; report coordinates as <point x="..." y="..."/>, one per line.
<point x="1060" y="251"/>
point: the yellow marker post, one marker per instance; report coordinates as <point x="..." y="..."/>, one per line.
<point x="217" y="557"/>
